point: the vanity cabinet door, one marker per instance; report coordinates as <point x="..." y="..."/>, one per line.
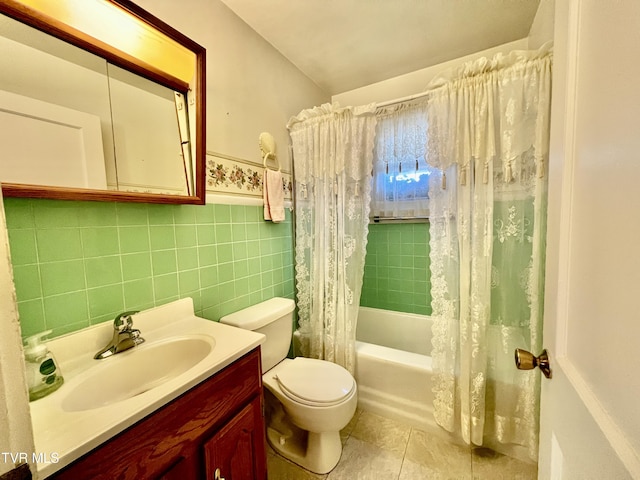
<point x="237" y="450"/>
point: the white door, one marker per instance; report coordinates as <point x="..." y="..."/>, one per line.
<point x="590" y="414"/>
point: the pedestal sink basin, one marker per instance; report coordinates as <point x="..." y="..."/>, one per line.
<point x="135" y="371"/>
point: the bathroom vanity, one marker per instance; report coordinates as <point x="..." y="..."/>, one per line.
<point x="186" y="403"/>
<point x="215" y="427"/>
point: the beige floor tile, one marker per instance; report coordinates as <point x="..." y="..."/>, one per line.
<point x="280" y="469"/>
<point x="490" y="465"/>
<point x="443" y="459"/>
<point x="346" y="431"/>
<point x="364" y="461"/>
<point x="382" y="432"/>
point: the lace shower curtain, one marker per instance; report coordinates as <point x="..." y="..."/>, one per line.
<point x="488" y="137"/>
<point x="332" y="150"/>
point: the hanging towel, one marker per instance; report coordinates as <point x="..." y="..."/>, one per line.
<point x="273" y="195"/>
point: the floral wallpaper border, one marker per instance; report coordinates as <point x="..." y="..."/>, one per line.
<point x="238" y="177"/>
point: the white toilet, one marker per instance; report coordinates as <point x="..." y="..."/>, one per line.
<point x="307" y="401"/>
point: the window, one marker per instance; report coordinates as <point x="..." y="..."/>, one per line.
<point x="400" y="171"/>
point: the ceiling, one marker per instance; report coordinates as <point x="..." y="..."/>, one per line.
<point x="345" y="44"/>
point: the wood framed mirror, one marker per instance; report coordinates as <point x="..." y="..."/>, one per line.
<point x="65" y="141"/>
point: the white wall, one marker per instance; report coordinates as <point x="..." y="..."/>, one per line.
<point x="541" y="30"/>
<point x="251" y="87"/>
<point x="414" y="82"/>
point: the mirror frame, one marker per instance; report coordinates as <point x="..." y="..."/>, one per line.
<point x="58" y="29"/>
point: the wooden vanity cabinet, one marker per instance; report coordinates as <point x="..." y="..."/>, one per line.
<point x="216" y="428"/>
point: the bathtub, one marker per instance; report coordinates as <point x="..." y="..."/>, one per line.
<point x="393" y="366"/>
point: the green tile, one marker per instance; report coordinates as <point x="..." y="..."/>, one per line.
<point x="19" y="213"/>
<point x="205" y="214"/>
<point x="188" y="281"/>
<point x="162" y="237"/>
<point x="56" y="244"/>
<point x="98" y="214"/>
<point x="56" y="213"/>
<point x="238" y="213"/>
<point x="208" y="276"/>
<point x="253" y="248"/>
<point x="31" y="315"/>
<point x="186" y="236"/>
<point x="225" y="272"/>
<point x="138" y="294"/>
<point x="206" y="235"/>
<point x="225" y="252"/>
<point x="209" y="296"/>
<point x="102" y="271"/>
<point x="105" y="300"/>
<point x="134" y="239"/>
<point x="163" y="262"/>
<point x="136" y="266"/>
<point x="238" y="232"/>
<point x="241" y="286"/>
<point x="222" y="213"/>
<point x="63" y="310"/>
<point x="208" y="255"/>
<point x="185" y="214"/>
<point x="226" y="291"/>
<point x="165" y="286"/>
<point x="252" y="231"/>
<point x="255" y="283"/>
<point x="239" y="251"/>
<point x="27" y="282"/>
<point x="223" y="233"/>
<point x="187" y="258"/>
<point x="99" y="241"/>
<point x="160" y="214"/>
<point x="23" y="246"/>
<point x="132" y="214"/>
<point x="240" y="268"/>
<point x="62" y="277"/>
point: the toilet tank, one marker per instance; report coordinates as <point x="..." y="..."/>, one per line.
<point x="274" y="319"/>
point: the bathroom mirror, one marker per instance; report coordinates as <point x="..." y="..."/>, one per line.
<point x="99" y="100"/>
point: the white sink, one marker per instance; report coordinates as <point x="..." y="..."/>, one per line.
<point x="136" y="371"/>
<point x="101" y="398"/>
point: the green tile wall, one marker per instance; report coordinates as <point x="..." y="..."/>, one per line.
<point x="76" y="264"/>
<point x="396" y="272"/>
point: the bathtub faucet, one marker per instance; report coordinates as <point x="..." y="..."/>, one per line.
<point x="124" y="336"/>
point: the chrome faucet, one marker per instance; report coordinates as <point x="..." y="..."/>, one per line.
<point x="124" y="336"/>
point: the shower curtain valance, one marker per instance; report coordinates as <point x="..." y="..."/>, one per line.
<point x="515" y="90"/>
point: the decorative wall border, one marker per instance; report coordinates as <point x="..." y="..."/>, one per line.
<point x="235" y="176"/>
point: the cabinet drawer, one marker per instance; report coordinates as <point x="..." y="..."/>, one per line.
<point x="173" y="435"/>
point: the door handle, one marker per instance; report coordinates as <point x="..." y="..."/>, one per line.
<point x="527" y="361"/>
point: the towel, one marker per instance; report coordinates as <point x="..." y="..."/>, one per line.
<point x="273" y="195"/>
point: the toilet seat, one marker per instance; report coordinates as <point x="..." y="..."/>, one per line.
<point x="313" y="382"/>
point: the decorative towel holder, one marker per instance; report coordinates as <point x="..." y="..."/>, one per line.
<point x="268" y="149"/>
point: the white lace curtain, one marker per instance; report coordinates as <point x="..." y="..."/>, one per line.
<point x="332" y="151"/>
<point x="488" y="125"/>
<point x="400" y="171"/>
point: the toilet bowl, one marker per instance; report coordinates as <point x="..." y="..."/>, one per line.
<point x="307" y="401"/>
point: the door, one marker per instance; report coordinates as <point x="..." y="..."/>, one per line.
<point x="237" y="451"/>
<point x="590" y="421"/>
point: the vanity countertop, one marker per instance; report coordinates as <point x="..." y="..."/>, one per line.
<point x="62" y="436"/>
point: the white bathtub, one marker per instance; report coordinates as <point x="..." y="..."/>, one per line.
<point x="393" y="366"/>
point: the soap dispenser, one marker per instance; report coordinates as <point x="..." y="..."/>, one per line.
<point x="43" y="374"/>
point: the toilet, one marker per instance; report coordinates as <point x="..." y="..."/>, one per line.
<point x="308" y="401"/>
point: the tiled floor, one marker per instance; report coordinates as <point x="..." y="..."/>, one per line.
<point x="379" y="448"/>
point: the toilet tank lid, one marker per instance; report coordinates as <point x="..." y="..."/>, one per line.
<point x="259" y="315"/>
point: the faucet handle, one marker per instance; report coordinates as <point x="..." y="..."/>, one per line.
<point x="124" y="321"/>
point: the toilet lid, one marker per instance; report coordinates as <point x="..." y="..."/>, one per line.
<point x="315" y="382"/>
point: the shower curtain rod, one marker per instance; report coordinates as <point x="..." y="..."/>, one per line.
<point x="408" y="98"/>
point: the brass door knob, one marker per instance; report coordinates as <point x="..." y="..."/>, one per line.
<point x="527" y="361"/>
